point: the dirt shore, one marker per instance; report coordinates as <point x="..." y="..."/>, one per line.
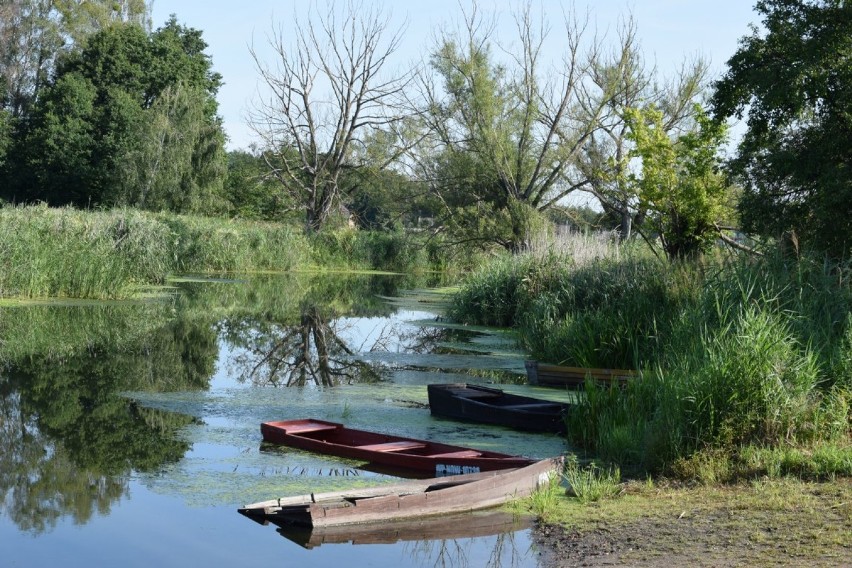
<point x="785" y="523"/>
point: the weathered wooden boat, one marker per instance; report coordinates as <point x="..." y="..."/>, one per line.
<point x="440" y="527"/>
<point x="406" y="500"/>
<point x="477" y="403"/>
<point x="575" y="377"/>
<point x="396" y="452"/>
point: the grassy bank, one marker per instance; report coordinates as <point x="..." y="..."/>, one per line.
<point x="47" y="252"/>
<point x="760" y="523"/>
<point x="746" y="363"/>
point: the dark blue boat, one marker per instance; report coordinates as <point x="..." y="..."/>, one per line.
<point x="476" y="403"/>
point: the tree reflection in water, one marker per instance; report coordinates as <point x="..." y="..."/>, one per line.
<point x="82" y="467"/>
<point x="454" y="552"/>
<point x="315" y="352"/>
<point x="70" y="439"/>
<point x="311" y="352"/>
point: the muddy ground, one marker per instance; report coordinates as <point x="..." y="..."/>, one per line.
<point x="762" y="524"/>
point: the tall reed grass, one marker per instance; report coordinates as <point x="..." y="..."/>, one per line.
<point x="202" y="244"/>
<point x="65" y="253"/>
<point x="48" y="252"/>
<point x="584" y="301"/>
<point x="366" y="250"/>
<point x="734" y="354"/>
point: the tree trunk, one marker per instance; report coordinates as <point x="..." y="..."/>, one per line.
<point x="625" y="228"/>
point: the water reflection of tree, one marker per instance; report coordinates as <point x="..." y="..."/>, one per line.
<point x="40" y="483"/>
<point x="456" y="552"/>
<point x="75" y="462"/>
<point x="310" y="352"/>
<point x="71" y="439"/>
<point x="314" y="351"/>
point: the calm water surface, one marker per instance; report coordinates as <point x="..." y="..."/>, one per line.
<point x="130" y="431"/>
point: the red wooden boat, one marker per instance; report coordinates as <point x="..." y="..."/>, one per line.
<point x="406" y="500"/>
<point x="396" y="452"/>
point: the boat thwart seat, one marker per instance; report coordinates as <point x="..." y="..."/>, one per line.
<point x="392" y="446"/>
<point x="309" y="427"/>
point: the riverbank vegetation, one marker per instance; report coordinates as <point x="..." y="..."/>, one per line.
<point x="745" y="361"/>
<point x="724" y="281"/>
<point x="116" y="254"/>
<point x="744" y="346"/>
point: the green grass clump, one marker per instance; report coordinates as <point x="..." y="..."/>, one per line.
<point x="592" y="483"/>
<point x="816" y="462"/>
<point x="543" y="501"/>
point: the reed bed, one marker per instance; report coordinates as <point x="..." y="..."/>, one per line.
<point x="202" y="244"/>
<point x="67" y="253"/>
<point x="367" y="250"/>
<point x="735" y="355"/>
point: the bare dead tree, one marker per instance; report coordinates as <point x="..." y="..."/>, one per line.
<point x="327" y="93"/>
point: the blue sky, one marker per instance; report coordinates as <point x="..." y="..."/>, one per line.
<point x="669" y="30"/>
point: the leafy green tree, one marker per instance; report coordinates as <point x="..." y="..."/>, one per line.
<point x="84" y="122"/>
<point x="178" y="162"/>
<point x="632" y="84"/>
<point x="6" y="126"/>
<point x="383" y="199"/>
<point x="680" y="183"/>
<point x="30" y="39"/>
<point x="792" y="79"/>
<point x="79" y="20"/>
<point x="35" y="33"/>
<point x="508" y="137"/>
<point x="55" y="163"/>
<point x="128" y="120"/>
<point x="251" y="192"/>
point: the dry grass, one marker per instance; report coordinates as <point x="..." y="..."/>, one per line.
<point x="582" y="248"/>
